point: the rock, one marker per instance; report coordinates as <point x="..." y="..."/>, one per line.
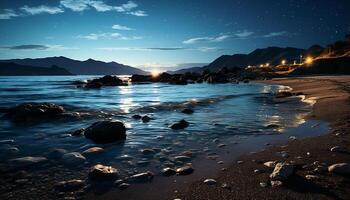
<point x="221" y="145"/>
<point x="6" y="141"/>
<point x="106" y="132"/>
<point x="272" y="126"/>
<point x="182" y="158"/>
<point x="225" y="186"/>
<point x="187" y="111"/>
<point x="123" y="186"/>
<point x="179" y="125"/>
<point x="78" y="132"/>
<point x="69" y="186"/>
<point x="73" y="158"/>
<point x="276" y="183"/>
<point x="263" y="184"/>
<point x="145" y="119"/>
<point x="137" y="117"/>
<point x="270" y="164"/>
<point x="282" y="172"/>
<point x="56" y="153"/>
<point x="147" y="151"/>
<point x="142" y="177"/>
<point x="209" y="181"/>
<point x="258" y="171"/>
<point x="340" y="168"/>
<point x="93" y="151"/>
<point x="338" y="149"/>
<point x="107" y="80"/>
<point x="168" y="171"/>
<point x="283" y="94"/>
<point x="27" y="161"/>
<point x="103" y="172"/>
<point x="311" y="177"/>
<point x="240" y="162"/>
<point x="34" y="111"/>
<point x="185" y="170"/>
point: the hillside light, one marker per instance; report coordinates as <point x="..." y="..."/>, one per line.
<point x="267" y="64"/>
<point x="283" y="62"/>
<point x="261" y="65"/>
<point x="309" y="60"/>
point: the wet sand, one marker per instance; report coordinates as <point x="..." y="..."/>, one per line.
<point x="311" y="156"/>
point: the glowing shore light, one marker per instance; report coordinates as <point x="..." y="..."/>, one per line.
<point x="283" y="62"/>
<point x="309" y="60"/>
<point x="267" y="64"/>
<point x="155" y="73"/>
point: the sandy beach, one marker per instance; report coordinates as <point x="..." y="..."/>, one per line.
<point x="249" y="178"/>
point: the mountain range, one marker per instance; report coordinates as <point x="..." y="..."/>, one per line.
<point x="87" y="67"/>
<point x="13" y="69"/>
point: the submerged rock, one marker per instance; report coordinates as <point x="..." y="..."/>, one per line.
<point x="27" y="161"/>
<point x="136" y="116"/>
<point x="282" y="172"/>
<point x="187" y="111"/>
<point x="28" y="112"/>
<point x="145" y="119"/>
<point x="180" y="125"/>
<point x="73" y="158"/>
<point x="106" y="132"/>
<point x="103" y="172"/>
<point x="69" y="186"/>
<point x="340" y="168"/>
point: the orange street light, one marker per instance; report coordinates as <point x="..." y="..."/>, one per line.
<point x="309" y="60"/>
<point x="283" y="62"/>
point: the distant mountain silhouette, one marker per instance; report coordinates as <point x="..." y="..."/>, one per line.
<point x="13" y="69"/>
<point x="272" y="55"/>
<point x="87" y="67"/>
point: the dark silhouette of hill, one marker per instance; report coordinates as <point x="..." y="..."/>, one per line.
<point x="87" y="67"/>
<point x="13" y="69"/>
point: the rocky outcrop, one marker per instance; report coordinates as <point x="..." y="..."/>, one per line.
<point x="106" y="132"/>
<point x="105" y="81"/>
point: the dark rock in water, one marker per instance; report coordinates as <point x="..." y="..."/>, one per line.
<point x="136" y="116"/>
<point x="56" y="154"/>
<point x="245" y="81"/>
<point x="168" y="171"/>
<point x="106" y="131"/>
<point x="145" y="119"/>
<point x="93" y="151"/>
<point x="69" y="186"/>
<point x="141" y="78"/>
<point x="27" y="161"/>
<point x="34" y="111"/>
<point x="107" y="80"/>
<point x="187" y="111"/>
<point x="78" y="132"/>
<point x="103" y="172"/>
<point x="93" y="85"/>
<point x="272" y="126"/>
<point x="180" y="125"/>
<point x="185" y="170"/>
<point x="283" y="94"/>
<point x="142" y="177"/>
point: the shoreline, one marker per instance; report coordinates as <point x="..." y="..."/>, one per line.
<point x="311" y="155"/>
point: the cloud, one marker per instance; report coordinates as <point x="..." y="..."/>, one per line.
<point x="8" y="14"/>
<point x="96" y="36"/>
<point x="139" y="13"/>
<point x="36" y="47"/>
<point x="244" y="34"/>
<point x="41" y="9"/>
<point x="101" y="6"/>
<point x="121" y="28"/>
<point x="206" y="39"/>
<point x="275" y="34"/>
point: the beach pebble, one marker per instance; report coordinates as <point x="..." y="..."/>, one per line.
<point x="123" y="186"/>
<point x="338" y="149"/>
<point x="276" y="183"/>
<point x="225" y="186"/>
<point x="106" y="131"/>
<point x="292" y="137"/>
<point x="263" y="184"/>
<point x="270" y="164"/>
<point x="103" y="172"/>
<point x="220" y="162"/>
<point x="93" y="150"/>
<point x="180" y="125"/>
<point x="221" y="145"/>
<point x="311" y="177"/>
<point x="258" y="171"/>
<point x="26" y="161"/>
<point x="185" y="170"/>
<point x="168" y="171"/>
<point x="282" y="172"/>
<point x="73" y="158"/>
<point x="240" y="162"/>
<point x="209" y="182"/>
<point x="70" y="185"/>
<point x="142" y="177"/>
<point x="340" y="168"/>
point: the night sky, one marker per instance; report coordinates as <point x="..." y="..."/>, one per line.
<point x="159" y="33"/>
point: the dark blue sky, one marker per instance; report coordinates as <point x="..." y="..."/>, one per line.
<point x="163" y="33"/>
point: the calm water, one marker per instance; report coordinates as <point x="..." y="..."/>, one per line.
<point x="231" y="114"/>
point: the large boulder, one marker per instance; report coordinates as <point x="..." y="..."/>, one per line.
<point x="107" y="80"/>
<point x="34" y="111"/>
<point x="106" y="132"/>
<point x="103" y="172"/>
<point x="282" y="172"/>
